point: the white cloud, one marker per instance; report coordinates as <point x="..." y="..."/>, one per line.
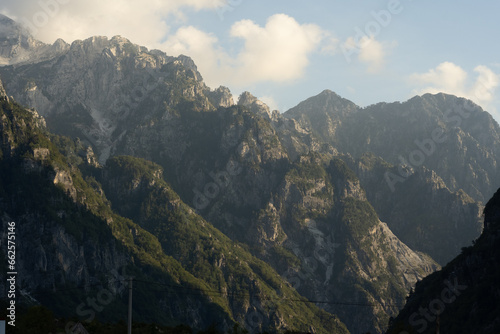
<point x="277" y="52"/>
<point x="212" y="61"/>
<point x="485" y="85"/>
<point x="452" y="79"/>
<point x="142" y="22"/>
<point x="446" y="77"/>
<point x="369" y="51"/>
<point x="372" y="53"/>
<point x="330" y="46"/>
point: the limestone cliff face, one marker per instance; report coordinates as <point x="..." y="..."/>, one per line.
<point x="297" y="140"/>
<point x="50" y="257"/>
<point x="302" y="217"/>
<point x="425" y="165"/>
<point x="17" y="46"/>
<point x="347" y="254"/>
<point x="136" y="189"/>
<point x="451" y="136"/>
<point x="40" y="197"/>
<point x="221" y="97"/>
<point x="421" y="210"/>
<point x="3" y="94"/>
<point x="68" y="237"/>
<point x="251" y="102"/>
<point x="232" y="167"/>
<point x="104" y="88"/>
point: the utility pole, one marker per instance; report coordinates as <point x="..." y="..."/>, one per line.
<point x="130" y="306"/>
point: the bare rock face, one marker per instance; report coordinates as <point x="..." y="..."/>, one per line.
<point x="221" y="97"/>
<point x="336" y="234"/>
<point x="15" y="42"/>
<point x="255" y="105"/>
<point x="63" y="178"/>
<point x="3" y="94"/>
<point x="451" y="136"/>
<point x="17" y="46"/>
<point x="323" y="113"/>
<point x="422" y="211"/>
<point x="123" y="87"/>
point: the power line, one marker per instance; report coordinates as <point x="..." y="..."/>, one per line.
<point x="81" y="287"/>
<point x="211" y="293"/>
<point x="246" y="295"/>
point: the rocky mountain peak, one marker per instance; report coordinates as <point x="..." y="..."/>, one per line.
<point x="17" y="45"/>
<point x="255" y="105"/>
<point x="221" y="97"/>
<point x="119" y="40"/>
<point x="9" y="28"/>
<point x="448" y="110"/>
<point x="60" y="45"/>
<point x="95" y="44"/>
<point x="126" y="46"/>
<point x="325" y="102"/>
<point x="6" y="21"/>
<point x="329" y="94"/>
<point x="246" y="99"/>
<point x="189" y="64"/>
<point x="324" y="113"/>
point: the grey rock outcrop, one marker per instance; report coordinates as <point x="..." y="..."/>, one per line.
<point x="107" y="87"/>
<point x="3" y="94"/>
<point x="255" y="105"/>
<point x="221" y="97"/>
<point x="425" y="164"/>
<point x="451" y="136"/>
<point x="423" y="212"/>
<point x="17" y="46"/>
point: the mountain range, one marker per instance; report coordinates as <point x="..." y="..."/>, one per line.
<point x="320" y="219"/>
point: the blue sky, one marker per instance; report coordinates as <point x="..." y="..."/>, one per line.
<point x="286" y="51"/>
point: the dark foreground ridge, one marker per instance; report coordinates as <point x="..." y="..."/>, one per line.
<point x="464" y="297"/>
